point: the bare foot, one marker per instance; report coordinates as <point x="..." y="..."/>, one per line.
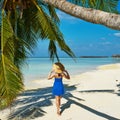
<point x="58" y="112"/>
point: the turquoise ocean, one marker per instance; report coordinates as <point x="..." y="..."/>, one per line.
<point x="38" y="68"/>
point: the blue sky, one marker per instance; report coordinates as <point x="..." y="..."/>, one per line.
<point x="83" y="38"/>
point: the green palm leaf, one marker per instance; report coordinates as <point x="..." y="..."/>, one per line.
<point x="10" y="82"/>
<point x="19" y="35"/>
<point x="53" y="50"/>
<point x="21" y="52"/>
<point x="41" y="23"/>
<point x="105" y="5"/>
<point x="52" y="32"/>
<point x="53" y="13"/>
<point x="10" y="76"/>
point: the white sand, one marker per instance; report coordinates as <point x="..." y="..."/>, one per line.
<point x="89" y="96"/>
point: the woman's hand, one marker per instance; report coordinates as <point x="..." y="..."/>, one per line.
<point x="51" y="74"/>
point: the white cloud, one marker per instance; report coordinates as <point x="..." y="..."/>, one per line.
<point x="117" y="34"/>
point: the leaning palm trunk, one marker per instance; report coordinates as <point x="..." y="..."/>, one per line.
<point x="110" y="20"/>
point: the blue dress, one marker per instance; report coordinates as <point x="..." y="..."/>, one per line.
<point x="58" y="87"/>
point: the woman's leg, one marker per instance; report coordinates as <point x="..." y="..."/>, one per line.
<point x="58" y="103"/>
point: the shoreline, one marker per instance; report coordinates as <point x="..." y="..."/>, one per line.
<point x="82" y="98"/>
<point x="36" y="84"/>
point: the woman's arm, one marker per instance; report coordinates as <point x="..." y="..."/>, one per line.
<point x="51" y="75"/>
<point x="66" y="74"/>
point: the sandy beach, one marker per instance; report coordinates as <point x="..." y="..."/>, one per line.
<point x="92" y="95"/>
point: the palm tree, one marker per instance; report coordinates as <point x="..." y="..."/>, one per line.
<point x="91" y="10"/>
<point x="24" y="22"/>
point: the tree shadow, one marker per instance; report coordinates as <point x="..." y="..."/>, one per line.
<point x="94" y="91"/>
<point x="71" y="101"/>
<point x="67" y="105"/>
<point x="32" y="102"/>
<point x="101" y="114"/>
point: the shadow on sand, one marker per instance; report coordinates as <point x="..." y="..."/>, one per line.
<point x="32" y="102"/>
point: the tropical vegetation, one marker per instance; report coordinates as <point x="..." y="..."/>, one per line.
<point x="22" y="24"/>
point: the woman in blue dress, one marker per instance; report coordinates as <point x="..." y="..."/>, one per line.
<point x="58" y="73"/>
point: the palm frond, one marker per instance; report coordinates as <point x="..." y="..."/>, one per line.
<point x="64" y="47"/>
<point x="21" y="47"/>
<point x="10" y="76"/>
<point x="26" y="29"/>
<point x="51" y="31"/>
<point x="19" y="35"/>
<point x="53" y="50"/>
<point x="53" y="14"/>
<point x="41" y="23"/>
<point x="21" y="52"/>
<point x="105" y="5"/>
<point x="10" y="82"/>
<point x="49" y="9"/>
<point x="47" y="26"/>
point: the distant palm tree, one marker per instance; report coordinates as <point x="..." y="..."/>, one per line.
<point x="24" y="22"/>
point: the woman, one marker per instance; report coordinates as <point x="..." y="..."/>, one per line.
<point x="58" y="73"/>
